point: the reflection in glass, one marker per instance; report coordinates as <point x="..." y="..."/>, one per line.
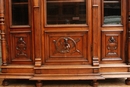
<point x="20" y="12"/>
<point x="66" y="12"/>
<point x="112" y="11"/>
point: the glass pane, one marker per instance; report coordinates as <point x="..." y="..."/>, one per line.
<point x="112" y="11"/>
<point x="20" y="12"/>
<point x="66" y="12"/>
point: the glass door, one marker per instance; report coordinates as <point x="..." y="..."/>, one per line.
<point x="113" y="31"/>
<point x="66" y="12"/>
<point x="67" y="31"/>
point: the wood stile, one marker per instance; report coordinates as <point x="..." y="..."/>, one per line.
<point x="39" y="45"/>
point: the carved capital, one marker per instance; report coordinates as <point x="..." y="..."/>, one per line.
<point x="95" y="3"/>
<point x="36" y="3"/>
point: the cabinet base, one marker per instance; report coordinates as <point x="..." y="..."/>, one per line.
<point x="5" y="82"/>
<point x="39" y="83"/>
<point x="127" y="81"/>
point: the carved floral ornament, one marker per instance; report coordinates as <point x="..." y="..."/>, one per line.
<point x="66" y="45"/>
<point x="112" y="46"/>
<point x="21" y="48"/>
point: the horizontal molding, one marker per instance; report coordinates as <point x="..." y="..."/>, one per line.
<point x="20" y="26"/>
<point x="66" y="30"/>
<point x="15" y="77"/>
<point x="57" y="1"/>
<point x="95" y="5"/>
<point x="66" y="25"/>
<point x="65" y="67"/>
<point x="69" y="77"/>
<point x="112" y="29"/>
<point x="111" y="2"/>
<point x="116" y="76"/>
<point x="114" y="65"/>
<point x="36" y="7"/>
<point x="112" y="59"/>
<point x="20" y="31"/>
<point x="18" y="66"/>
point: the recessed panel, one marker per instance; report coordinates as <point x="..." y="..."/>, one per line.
<point x="20" y="47"/>
<point x="111" y="46"/>
<point x="66" y="47"/>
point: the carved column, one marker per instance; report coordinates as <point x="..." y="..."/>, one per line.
<point x="37" y="30"/>
<point x="2" y="28"/>
<point x="95" y="33"/>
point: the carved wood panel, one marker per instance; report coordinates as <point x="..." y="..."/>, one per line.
<point x="111" y="46"/>
<point x="20" y="47"/>
<point x="66" y="47"/>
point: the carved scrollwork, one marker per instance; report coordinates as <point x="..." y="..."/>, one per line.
<point x="66" y="45"/>
<point x="21" y="47"/>
<point x="112" y="46"/>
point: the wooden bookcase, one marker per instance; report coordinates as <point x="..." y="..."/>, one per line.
<point x="65" y="40"/>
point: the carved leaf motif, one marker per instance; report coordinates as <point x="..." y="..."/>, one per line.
<point x="21" y="48"/>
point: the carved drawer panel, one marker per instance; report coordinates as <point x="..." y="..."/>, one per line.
<point x="111" y="46"/>
<point x="20" y="47"/>
<point x="66" y="47"/>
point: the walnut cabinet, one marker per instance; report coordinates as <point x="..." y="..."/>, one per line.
<point x="65" y="40"/>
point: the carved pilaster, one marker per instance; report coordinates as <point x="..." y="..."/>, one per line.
<point x="95" y="33"/>
<point x="2" y="28"/>
<point x="128" y="53"/>
<point x="36" y="13"/>
<point x="128" y="32"/>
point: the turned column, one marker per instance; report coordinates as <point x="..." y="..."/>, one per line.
<point x="2" y="28"/>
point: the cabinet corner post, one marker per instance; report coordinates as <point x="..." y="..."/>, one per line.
<point x="95" y="12"/>
<point x="2" y="28"/>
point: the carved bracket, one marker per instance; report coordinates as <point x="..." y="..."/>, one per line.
<point x="66" y="45"/>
